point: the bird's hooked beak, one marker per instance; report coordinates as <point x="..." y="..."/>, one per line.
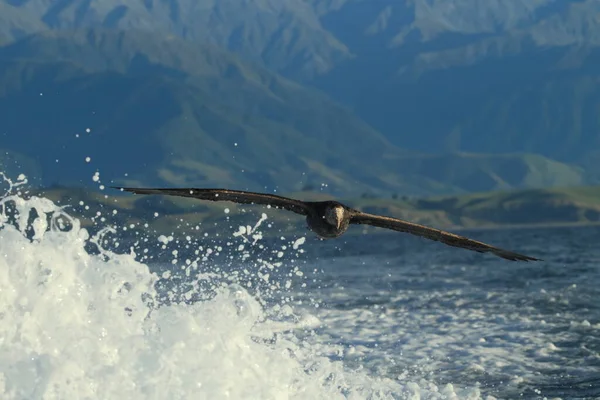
<point x="335" y="216"/>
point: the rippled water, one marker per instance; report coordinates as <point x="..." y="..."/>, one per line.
<point x="406" y="307"/>
<point x="410" y="309"/>
<point x="242" y="317"/>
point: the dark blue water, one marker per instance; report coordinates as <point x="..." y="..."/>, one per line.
<point x="414" y="310"/>
<point x="410" y="313"/>
<point x="409" y="308"/>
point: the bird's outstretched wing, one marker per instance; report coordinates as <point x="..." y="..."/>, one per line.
<point x="448" y="238"/>
<point x="236" y="196"/>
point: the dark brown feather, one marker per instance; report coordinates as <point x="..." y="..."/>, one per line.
<point x="317" y="209"/>
<point x="448" y="238"/>
<point x="236" y="196"/>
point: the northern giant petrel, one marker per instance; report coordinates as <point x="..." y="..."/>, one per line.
<point x="330" y="219"/>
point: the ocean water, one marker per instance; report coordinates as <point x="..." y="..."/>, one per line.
<point x="127" y="313"/>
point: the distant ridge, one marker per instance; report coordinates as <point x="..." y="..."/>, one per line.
<point x="439" y="99"/>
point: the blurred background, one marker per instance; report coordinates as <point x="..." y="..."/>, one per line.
<point x="383" y="103"/>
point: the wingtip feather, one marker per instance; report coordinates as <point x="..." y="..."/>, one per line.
<point x="519" y="257"/>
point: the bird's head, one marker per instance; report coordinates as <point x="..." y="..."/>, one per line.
<point x="334" y="215"/>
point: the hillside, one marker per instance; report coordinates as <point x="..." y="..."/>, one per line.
<point x="164" y="111"/>
<point x="534" y="101"/>
<point x="172" y="112"/>
<point x="285" y="35"/>
<point x="475" y="172"/>
<point x="308" y="38"/>
<point x="474" y="76"/>
<point x="438" y="96"/>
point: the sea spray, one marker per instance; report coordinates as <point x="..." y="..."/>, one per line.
<point x="76" y="324"/>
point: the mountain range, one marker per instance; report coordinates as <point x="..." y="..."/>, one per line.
<point x="413" y="96"/>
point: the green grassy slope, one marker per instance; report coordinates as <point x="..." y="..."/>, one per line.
<point x="163" y="111"/>
<point x="540" y="207"/>
<point x="166" y="111"/>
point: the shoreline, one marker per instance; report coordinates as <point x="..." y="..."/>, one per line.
<point x="440" y="213"/>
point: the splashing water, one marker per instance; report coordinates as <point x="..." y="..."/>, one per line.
<point x="76" y="324"/>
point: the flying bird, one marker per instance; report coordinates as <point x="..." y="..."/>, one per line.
<point x="330" y="219"/>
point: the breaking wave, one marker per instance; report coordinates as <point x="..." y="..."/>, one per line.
<point x="79" y="320"/>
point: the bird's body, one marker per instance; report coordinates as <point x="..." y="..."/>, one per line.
<point x="330" y="219"/>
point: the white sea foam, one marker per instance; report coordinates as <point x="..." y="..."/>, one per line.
<point x="77" y="325"/>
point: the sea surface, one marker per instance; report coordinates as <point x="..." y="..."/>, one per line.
<point x="412" y="309"/>
<point x="130" y="314"/>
